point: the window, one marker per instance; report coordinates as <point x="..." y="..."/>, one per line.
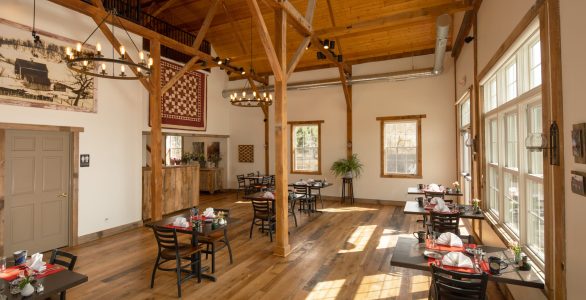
<point x="465" y="151"/>
<point x="514" y="175"/>
<point x="306" y="147"/>
<point x="173" y="148"/>
<point x="401" y="146"/>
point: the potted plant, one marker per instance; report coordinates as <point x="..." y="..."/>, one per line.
<point x="26" y="288"/>
<point x="476" y="205"/>
<point x="215" y="159"/>
<point x="347" y="167"/>
<point x="186" y="158"/>
<point x="201" y="159"/>
<point x="456" y="186"/>
<point x="516" y="248"/>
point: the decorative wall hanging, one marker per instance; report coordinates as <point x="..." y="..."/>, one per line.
<point x="36" y="74"/>
<point x="198" y="148"/>
<point x="213" y="152"/>
<point x="578" y="183"/>
<point x="183" y="106"/>
<point x="246" y="153"/>
<point x="579" y="143"/>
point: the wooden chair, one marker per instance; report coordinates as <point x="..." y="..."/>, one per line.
<point x="264" y="184"/>
<point x="292" y="201"/>
<point x="242" y="186"/>
<point x="212" y="240"/>
<point x="306" y="199"/>
<point x="169" y="249"/>
<point x="263" y="213"/>
<point x="444" y="222"/>
<point x="456" y="285"/>
<point x="64" y="259"/>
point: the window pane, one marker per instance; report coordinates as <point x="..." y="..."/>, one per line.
<point x="535" y="65"/>
<point x="465" y="113"/>
<point x="173" y="148"/>
<point x="511" y="81"/>
<point x="490" y="94"/>
<point x="534" y="158"/>
<point x="535" y="217"/>
<point x="493" y="190"/>
<point x="492" y="141"/>
<point x="400" y="147"/>
<point x="511" y="194"/>
<point x="305" y="148"/>
<point x="511" y="144"/>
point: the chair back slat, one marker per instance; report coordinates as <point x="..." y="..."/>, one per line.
<point x="261" y="207"/>
<point x="301" y="189"/>
<point x="166" y="237"/>
<point x="445" y="222"/>
<point x="241" y="181"/>
<point x="456" y="285"/>
<point x="58" y="256"/>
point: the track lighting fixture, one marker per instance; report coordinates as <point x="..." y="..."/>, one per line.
<point x="218" y="60"/>
<point x="226" y="61"/>
<point x="340" y="58"/>
<point x="332" y="45"/>
<point x="326" y="44"/>
<point x="242" y="72"/>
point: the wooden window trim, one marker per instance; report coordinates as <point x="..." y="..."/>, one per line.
<point x="319" y="146"/>
<point x="382" y="121"/>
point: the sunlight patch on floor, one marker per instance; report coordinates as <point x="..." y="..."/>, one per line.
<point x="387" y="240"/>
<point x="346" y="209"/>
<point x="420" y="283"/>
<point x="379" y="286"/>
<point x="242" y="202"/>
<point x="326" y="289"/>
<point x="359" y="239"/>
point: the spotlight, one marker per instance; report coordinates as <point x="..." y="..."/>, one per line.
<point x="332" y="44"/>
<point x="468" y="39"/>
<point x="340" y="58"/>
<point x="326" y="44"/>
<point x="242" y="71"/>
<point x="308" y="45"/>
<point x="218" y="60"/>
<point x="226" y="61"/>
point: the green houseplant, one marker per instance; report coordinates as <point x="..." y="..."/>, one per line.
<point x="347" y="167"/>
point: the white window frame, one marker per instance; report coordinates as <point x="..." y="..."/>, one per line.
<point x="465" y="176"/>
<point x="292" y="146"/>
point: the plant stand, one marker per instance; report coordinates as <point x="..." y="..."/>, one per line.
<point x="347" y="183"/>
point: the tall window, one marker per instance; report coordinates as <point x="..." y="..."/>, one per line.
<point x="306" y="147"/>
<point x="465" y="150"/>
<point x="173" y="148"/>
<point x="401" y="146"/>
<point x="514" y="175"/>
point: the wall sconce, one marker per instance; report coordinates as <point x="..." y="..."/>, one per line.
<point x="537" y="142"/>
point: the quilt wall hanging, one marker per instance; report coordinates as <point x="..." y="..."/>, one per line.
<point x="184" y="105"/>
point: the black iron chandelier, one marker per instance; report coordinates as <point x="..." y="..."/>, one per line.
<point x="95" y="64"/>
<point x="243" y="99"/>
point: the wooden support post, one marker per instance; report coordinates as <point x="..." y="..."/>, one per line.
<point x="156" y="134"/>
<point x="265" y="111"/>
<point x="282" y="247"/>
<point x="349" y="123"/>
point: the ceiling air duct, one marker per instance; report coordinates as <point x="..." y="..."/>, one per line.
<point x="442" y="29"/>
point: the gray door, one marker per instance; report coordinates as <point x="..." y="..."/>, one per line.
<point x="37" y="188"/>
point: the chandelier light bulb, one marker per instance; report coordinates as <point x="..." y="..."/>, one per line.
<point x="99" y="48"/>
<point x="122" y="50"/>
<point x="141" y="55"/>
<point x="103" y="67"/>
<point x="254" y="94"/>
<point x="85" y="63"/>
<point x="68" y="51"/>
<point x="150" y="61"/>
<point x="138" y="69"/>
<point x="270" y="96"/>
<point x="78" y="47"/>
<point x="264" y="95"/>
<point x="243" y="94"/>
<point x="122" y="69"/>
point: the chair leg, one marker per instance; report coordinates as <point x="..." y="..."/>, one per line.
<point x="270" y="231"/>
<point x="251" y="228"/>
<point x="154" y="271"/>
<point x="213" y="258"/>
<point x="227" y="242"/>
<point x="199" y="267"/>
<point x="63" y="295"/>
<point x="207" y="250"/>
<point x="178" y="267"/>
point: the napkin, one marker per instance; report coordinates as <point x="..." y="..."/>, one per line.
<point x="457" y="259"/>
<point x="433" y="188"/>
<point x="209" y="213"/>
<point x="268" y="195"/>
<point x="180" y="222"/>
<point x="435" y="200"/>
<point x="301" y="182"/>
<point x="310" y="180"/>
<point x="36" y="262"/>
<point x="441" y="206"/>
<point x="449" y="239"/>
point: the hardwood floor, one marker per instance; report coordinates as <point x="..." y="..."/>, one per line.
<point x="343" y="253"/>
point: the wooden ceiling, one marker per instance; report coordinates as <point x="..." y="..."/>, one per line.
<point x="364" y="30"/>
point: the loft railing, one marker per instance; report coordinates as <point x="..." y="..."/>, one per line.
<point x="131" y="10"/>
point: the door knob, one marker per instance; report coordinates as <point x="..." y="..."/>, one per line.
<point x="62" y="195"/>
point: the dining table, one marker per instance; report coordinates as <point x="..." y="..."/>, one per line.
<point x="53" y="283"/>
<point x="409" y="253"/>
<point x="448" y="192"/>
<point x="194" y="232"/>
<point x="315" y="185"/>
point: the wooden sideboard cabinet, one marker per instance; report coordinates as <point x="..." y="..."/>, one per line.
<point x="210" y="179"/>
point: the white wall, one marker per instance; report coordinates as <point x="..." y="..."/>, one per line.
<point x="573" y="66"/>
<point x="431" y="96"/>
<point x="110" y="189"/>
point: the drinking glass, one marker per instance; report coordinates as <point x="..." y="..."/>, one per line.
<point x="2" y="264"/>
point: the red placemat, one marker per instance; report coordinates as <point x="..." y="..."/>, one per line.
<point x="11" y="273"/>
<point x="448" y="248"/>
<point x="176" y="227"/>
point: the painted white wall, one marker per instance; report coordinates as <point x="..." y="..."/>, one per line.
<point x="110" y="189"/>
<point x="573" y="66"/>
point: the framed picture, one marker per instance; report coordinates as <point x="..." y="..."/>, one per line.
<point x="198" y="148"/>
<point x="578" y="183"/>
<point x="246" y="153"/>
<point x="37" y="75"/>
<point x="578" y="146"/>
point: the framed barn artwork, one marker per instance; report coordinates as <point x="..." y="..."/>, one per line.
<point x="184" y="105"/>
<point x="37" y="75"/>
<point x="246" y="153"/>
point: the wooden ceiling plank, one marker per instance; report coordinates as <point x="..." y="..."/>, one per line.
<point x="156" y="10"/>
<point x="305" y="43"/>
<point x="235" y="30"/>
<point x="266" y="39"/>
<point x="206" y="24"/>
<point x="390" y="20"/>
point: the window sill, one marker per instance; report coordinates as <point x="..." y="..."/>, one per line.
<point x="306" y="172"/>
<point x="407" y="176"/>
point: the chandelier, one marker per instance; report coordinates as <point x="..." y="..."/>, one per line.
<point x="95" y="64"/>
<point x="257" y="99"/>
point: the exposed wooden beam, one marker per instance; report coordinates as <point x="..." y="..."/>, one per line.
<point x="206" y="24"/>
<point x="306" y="40"/>
<point x="156" y="134"/>
<point x="298" y="21"/>
<point x="392" y="20"/>
<point x="282" y="247"/>
<point x="465" y="29"/>
<point x="266" y="39"/>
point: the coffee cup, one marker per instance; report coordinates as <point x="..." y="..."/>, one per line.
<point x="420" y="201"/>
<point x="420" y="235"/>
<point x="496" y="265"/>
<point x="19" y="257"/>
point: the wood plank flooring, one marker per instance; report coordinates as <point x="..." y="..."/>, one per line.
<point x="343" y="253"/>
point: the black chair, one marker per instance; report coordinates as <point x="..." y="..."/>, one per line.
<point x="263" y="184"/>
<point x="212" y="240"/>
<point x="169" y="249"/>
<point x="64" y="259"/>
<point x="306" y="199"/>
<point x="444" y="222"/>
<point x="451" y="285"/>
<point x="292" y="201"/>
<point x="263" y="213"/>
<point x="242" y="186"/>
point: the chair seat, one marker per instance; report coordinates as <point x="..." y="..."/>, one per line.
<point x="212" y="237"/>
<point x="185" y="250"/>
